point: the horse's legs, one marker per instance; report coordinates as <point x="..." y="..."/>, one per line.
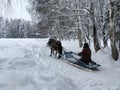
<point x="59" y="56"/>
<point x="51" y="52"/>
<point x="56" y="54"/>
<point x="60" y="52"/>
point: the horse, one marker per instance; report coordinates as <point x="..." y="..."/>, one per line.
<point x="55" y="45"/>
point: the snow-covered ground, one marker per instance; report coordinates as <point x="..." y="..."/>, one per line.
<point x="25" y="65"/>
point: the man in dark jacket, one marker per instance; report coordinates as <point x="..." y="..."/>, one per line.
<point x="86" y="54"/>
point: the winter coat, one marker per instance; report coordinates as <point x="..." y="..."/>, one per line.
<point x="85" y="55"/>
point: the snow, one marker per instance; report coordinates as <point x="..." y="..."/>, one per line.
<point x="25" y="65"/>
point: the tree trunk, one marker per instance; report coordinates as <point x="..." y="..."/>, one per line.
<point x="77" y="5"/>
<point x="79" y="38"/>
<point x="95" y="37"/>
<point x="96" y="42"/>
<point x="105" y="36"/>
<point x="114" y="50"/>
<point x="119" y="45"/>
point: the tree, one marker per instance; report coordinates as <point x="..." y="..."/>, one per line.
<point x="95" y="36"/>
<point x="112" y="12"/>
<point x="52" y="15"/>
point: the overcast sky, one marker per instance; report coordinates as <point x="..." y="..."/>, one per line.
<point x="16" y="10"/>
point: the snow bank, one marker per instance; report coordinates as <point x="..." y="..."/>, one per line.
<point x="25" y="65"/>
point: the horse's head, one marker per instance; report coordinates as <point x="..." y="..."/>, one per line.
<point x="51" y="40"/>
<point x="54" y="43"/>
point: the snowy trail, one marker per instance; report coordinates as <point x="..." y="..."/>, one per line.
<point x="25" y="65"/>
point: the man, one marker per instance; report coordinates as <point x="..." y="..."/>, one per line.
<point x="86" y="55"/>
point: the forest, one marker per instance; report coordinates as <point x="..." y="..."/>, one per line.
<point x="92" y="21"/>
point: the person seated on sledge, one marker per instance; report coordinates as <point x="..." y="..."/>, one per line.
<point x="86" y="55"/>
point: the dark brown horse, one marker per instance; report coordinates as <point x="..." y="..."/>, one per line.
<point x="55" y="45"/>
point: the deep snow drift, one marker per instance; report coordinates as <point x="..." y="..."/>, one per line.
<point x="25" y="65"/>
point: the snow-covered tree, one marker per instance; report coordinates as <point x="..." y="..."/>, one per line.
<point x="113" y="12"/>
